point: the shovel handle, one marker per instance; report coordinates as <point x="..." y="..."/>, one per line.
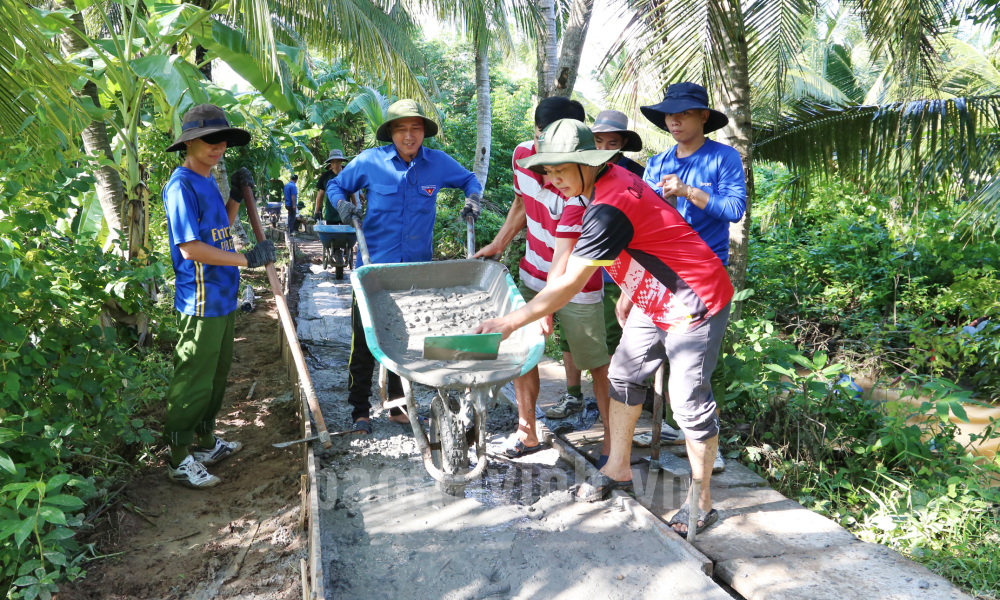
<point x="361" y="242"/>
<point x="470" y="242"/>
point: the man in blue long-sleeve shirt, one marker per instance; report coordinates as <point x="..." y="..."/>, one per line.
<point x="403" y="179"/>
<point x="707" y="177"/>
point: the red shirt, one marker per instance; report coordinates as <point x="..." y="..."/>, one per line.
<point x="543" y="207"/>
<point x="652" y="253"/>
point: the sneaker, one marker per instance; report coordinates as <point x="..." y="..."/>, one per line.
<point x="668" y="437"/>
<point x="569" y="405"/>
<point x="719" y="465"/>
<point x="222" y="451"/>
<point x="192" y="474"/>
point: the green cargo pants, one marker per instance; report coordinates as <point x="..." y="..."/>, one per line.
<point x="202" y="360"/>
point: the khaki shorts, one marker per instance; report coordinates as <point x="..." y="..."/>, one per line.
<point x="583" y="327"/>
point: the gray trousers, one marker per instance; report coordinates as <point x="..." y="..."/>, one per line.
<point x="692" y="357"/>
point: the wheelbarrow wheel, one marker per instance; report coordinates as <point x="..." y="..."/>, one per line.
<point x="450" y="430"/>
<point x="338" y="261"/>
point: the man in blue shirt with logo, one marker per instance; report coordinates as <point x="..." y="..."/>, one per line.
<point x="291" y="200"/>
<point x="403" y="179"/>
<point x="206" y="267"/>
<point x="707" y="177"/>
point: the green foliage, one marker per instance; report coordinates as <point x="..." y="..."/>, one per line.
<point x="70" y="390"/>
<point x="886" y="290"/>
<point x="892" y="472"/>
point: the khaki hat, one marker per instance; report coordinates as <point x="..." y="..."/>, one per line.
<point x="566" y="141"/>
<point x="336" y="155"/>
<point x="615" y="121"/>
<point x="208" y="120"/>
<point x="402" y="109"/>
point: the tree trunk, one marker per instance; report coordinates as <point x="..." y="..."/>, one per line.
<point x="732" y="96"/>
<point x="547" y="42"/>
<point x="574" y="36"/>
<point x="484" y="116"/>
<point x="110" y="191"/>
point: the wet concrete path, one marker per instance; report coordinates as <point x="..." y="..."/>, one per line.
<point x="387" y="531"/>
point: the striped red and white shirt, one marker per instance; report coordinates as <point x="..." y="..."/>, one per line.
<point x="544" y="206"/>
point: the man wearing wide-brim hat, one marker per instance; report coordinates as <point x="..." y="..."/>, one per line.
<point x="707" y="177"/>
<point x="333" y="165"/>
<point x="678" y="284"/>
<point x="402" y="180"/>
<point x="206" y="267"/>
<point x="611" y="132"/>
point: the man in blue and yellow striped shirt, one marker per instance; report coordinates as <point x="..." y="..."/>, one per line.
<point x="206" y="266"/>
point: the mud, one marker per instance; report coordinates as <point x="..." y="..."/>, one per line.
<point x="387" y="532"/>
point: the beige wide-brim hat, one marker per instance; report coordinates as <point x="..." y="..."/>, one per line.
<point x="336" y="155"/>
<point x="615" y="121"/>
<point x="403" y="109"/>
<point x="566" y="141"/>
<point x="207" y="120"/>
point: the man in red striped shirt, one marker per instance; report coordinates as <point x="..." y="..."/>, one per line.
<point x="550" y="239"/>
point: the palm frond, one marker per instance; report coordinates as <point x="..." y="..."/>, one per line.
<point x="917" y="146"/>
<point x="775" y="29"/>
<point x="905" y="32"/>
<point x="34" y="82"/>
<point x="365" y="33"/>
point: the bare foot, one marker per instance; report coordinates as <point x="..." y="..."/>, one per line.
<point x="401" y="419"/>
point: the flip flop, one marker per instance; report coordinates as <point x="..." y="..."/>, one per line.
<point x="517" y="449"/>
<point x="597" y="487"/>
<point x="707" y="518"/>
<point x="361" y="426"/>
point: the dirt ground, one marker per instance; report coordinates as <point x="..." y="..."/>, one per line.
<point x="192" y="537"/>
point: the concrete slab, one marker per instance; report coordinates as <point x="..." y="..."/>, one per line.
<point x="774" y="528"/>
<point x="858" y="570"/>
<point x="735" y="475"/>
<point x="324" y="315"/>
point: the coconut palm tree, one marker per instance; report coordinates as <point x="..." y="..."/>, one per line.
<point x="782" y="107"/>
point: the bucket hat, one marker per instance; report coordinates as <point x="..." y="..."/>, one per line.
<point x="336" y="155"/>
<point x="401" y="110"/>
<point x="208" y="120"/>
<point x="566" y="141"/>
<point x="681" y="97"/>
<point x="615" y="121"/>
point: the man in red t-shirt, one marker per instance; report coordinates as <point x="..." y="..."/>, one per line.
<point x="550" y="239"/>
<point x="664" y="268"/>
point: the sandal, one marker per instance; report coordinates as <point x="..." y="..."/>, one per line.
<point x="707" y="518"/>
<point x="598" y="486"/>
<point x="517" y="449"/>
<point x="361" y="426"/>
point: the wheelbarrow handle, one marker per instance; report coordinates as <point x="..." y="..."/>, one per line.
<point x="471" y="235"/>
<point x="361" y="242"/>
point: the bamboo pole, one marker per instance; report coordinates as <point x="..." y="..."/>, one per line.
<point x="287" y="324"/>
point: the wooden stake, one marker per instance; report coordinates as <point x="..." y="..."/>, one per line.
<point x="305" y="501"/>
<point x="305" y="579"/>
<point x="288" y="325"/>
<point x="694" y="507"/>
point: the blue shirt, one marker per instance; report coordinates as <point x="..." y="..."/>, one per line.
<point x="291" y="194"/>
<point x="402" y="199"/>
<point x="717" y="170"/>
<point x="196" y="212"/>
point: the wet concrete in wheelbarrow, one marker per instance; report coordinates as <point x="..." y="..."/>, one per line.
<point x="388" y="532"/>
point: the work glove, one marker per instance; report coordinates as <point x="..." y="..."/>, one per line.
<point x="471" y="208"/>
<point x="348" y="212"/>
<point x="317" y="215"/>
<point x="237" y="181"/>
<point x="260" y="255"/>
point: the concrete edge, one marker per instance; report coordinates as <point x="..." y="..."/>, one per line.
<point x="647" y="520"/>
<point x="314" y="561"/>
